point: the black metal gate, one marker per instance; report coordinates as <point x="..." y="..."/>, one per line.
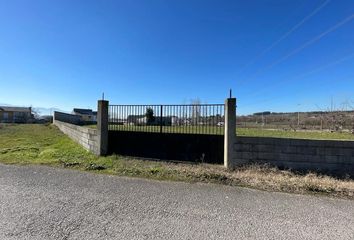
<point x="173" y="132"/>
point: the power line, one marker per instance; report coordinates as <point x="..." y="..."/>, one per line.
<point x="315" y="39"/>
<point x="298" y="25"/>
<point x="327" y="65"/>
<point x="317" y="69"/>
<point x="299" y="76"/>
<point x="308" y="43"/>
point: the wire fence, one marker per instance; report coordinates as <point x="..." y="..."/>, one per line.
<point x="186" y="119"/>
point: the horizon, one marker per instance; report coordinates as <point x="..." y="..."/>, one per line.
<point x="42" y="111"/>
<point x="275" y="55"/>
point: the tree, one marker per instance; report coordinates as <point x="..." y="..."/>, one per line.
<point x="195" y="111"/>
<point x="150" y="118"/>
<point x="36" y="113"/>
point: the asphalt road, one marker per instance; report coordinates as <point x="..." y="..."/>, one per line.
<point x="46" y="203"/>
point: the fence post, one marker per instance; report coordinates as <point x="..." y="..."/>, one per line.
<point x="102" y="127"/>
<point x="230" y="132"/>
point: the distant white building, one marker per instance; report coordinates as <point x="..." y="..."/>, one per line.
<point x="86" y="114"/>
<point x="15" y="114"/>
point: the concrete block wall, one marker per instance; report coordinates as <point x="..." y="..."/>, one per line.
<point x="69" y="118"/>
<point x="299" y="154"/>
<point x="86" y="137"/>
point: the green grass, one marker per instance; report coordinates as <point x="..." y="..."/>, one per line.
<point x="46" y="145"/>
<point x="251" y="132"/>
<point x="172" y="129"/>
<point x="34" y="143"/>
<point x="93" y="126"/>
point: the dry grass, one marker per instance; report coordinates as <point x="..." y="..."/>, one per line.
<point x="277" y="180"/>
<point x="262" y="177"/>
<point x="269" y="178"/>
<point x="46" y="145"/>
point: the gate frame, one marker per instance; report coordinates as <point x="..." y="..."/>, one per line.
<point x="102" y="126"/>
<point x="229" y="130"/>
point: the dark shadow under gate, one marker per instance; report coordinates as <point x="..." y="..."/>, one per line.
<point x="169" y="146"/>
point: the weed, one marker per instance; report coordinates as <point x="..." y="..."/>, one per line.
<point x="95" y="167"/>
<point x="40" y="144"/>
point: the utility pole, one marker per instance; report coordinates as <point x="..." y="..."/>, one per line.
<point x="298" y="115"/>
<point x="332" y="104"/>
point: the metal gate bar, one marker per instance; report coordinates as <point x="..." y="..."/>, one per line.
<point x="185" y="119"/>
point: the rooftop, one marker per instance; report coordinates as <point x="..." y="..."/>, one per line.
<point x="14" y="109"/>
<point x="83" y="111"/>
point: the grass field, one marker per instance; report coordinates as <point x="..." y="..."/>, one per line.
<point x="251" y="132"/>
<point x="254" y="132"/>
<point x="46" y="145"/>
<point x="34" y="143"/>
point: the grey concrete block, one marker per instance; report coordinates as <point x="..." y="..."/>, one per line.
<point x="306" y="150"/>
<point x="242" y="147"/>
<point x="331" y="159"/>
<point x="244" y="155"/>
<point x="265" y="156"/>
<point x="264" y="148"/>
<point x="288" y="149"/>
<point x="83" y="136"/>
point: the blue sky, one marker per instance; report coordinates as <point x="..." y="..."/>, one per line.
<point x="276" y="55"/>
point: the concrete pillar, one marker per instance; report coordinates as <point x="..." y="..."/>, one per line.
<point x="102" y="126"/>
<point x="230" y="132"/>
<point x="54" y="116"/>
